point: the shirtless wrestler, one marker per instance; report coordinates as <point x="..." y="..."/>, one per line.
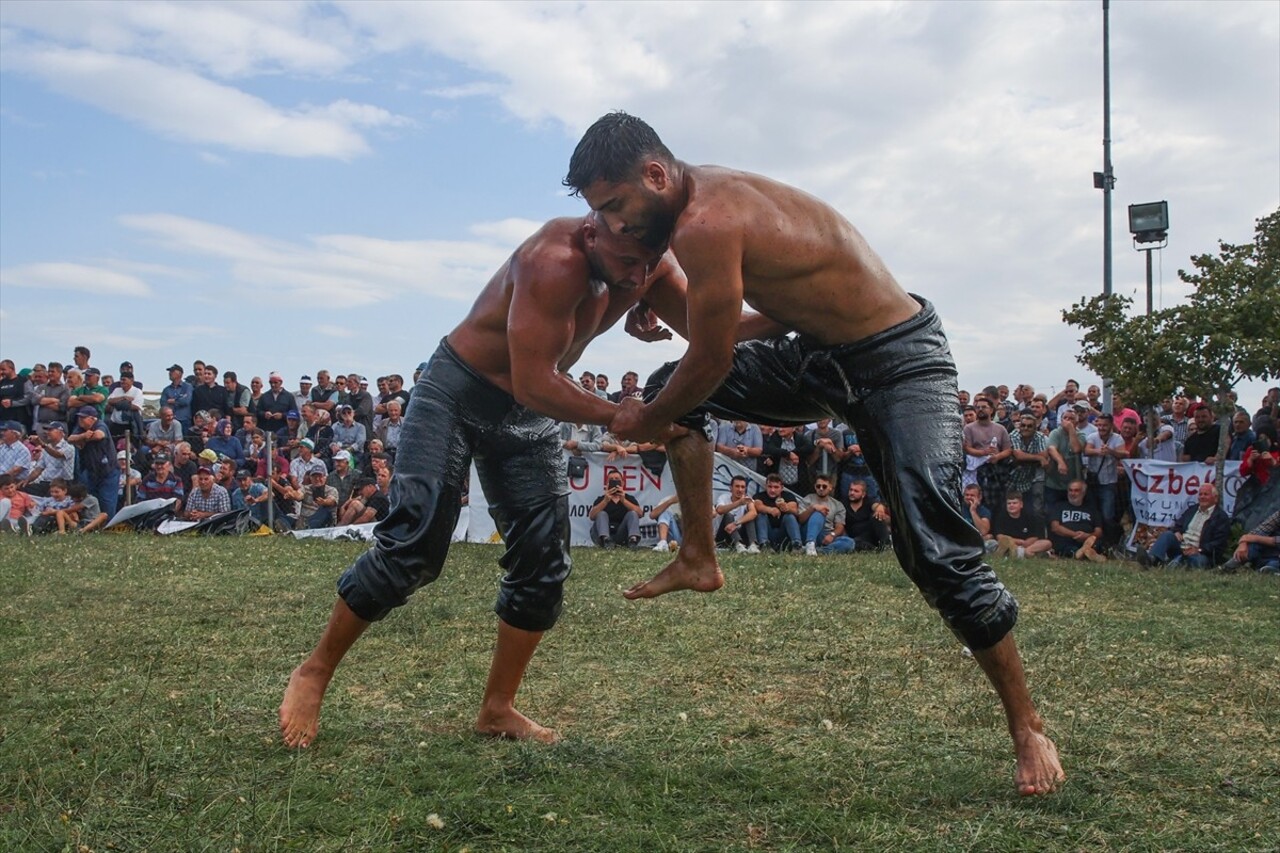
<point x="492" y="392"/>
<point x="867" y="353"/>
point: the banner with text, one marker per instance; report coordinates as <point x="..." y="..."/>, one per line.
<point x="1161" y="491"/>
<point x="648" y="488"/>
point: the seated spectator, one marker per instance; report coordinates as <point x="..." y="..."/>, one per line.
<point x="742" y="442"/>
<point x="256" y="496"/>
<point x="615" y="516"/>
<point x="1074" y="526"/>
<point x="320" y="433"/>
<point x="388" y="432"/>
<point x="865" y="521"/>
<point x="17" y="509"/>
<point x="176" y="396"/>
<point x="1242" y="436"/>
<point x="318" y="501"/>
<point x="343" y="477"/>
<point x="1198" y="539"/>
<point x="130" y="479"/>
<point x="822" y="520"/>
<point x="207" y="499"/>
<point x="777" y="518"/>
<point x="223" y="443"/>
<point x="47" y="509"/>
<point x="201" y="431"/>
<point x="57" y="458"/>
<point x="50" y="397"/>
<point x="1202" y="445"/>
<point x="185" y="465"/>
<point x="305" y="462"/>
<point x="15" y="456"/>
<point x="1259" y="548"/>
<point x="1019" y="531"/>
<point x="366" y="504"/>
<point x="164" y="433"/>
<point x="978" y="516"/>
<point x="225" y="475"/>
<point x="667" y="514"/>
<point x="736" y="514"/>
<point x="348" y="435"/>
<point x="85" y="509"/>
<point x="162" y="483"/>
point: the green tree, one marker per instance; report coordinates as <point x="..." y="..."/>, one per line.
<point x="1227" y="331"/>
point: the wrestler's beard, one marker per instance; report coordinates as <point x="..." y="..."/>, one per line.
<point x="656" y="231"/>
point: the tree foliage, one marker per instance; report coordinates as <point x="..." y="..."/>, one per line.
<point x="1227" y="331"/>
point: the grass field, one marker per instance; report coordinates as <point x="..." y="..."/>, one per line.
<point x="813" y="704"/>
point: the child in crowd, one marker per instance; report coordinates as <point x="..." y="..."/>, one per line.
<point x="17" y="509"/>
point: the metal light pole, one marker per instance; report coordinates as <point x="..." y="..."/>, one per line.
<point x="1105" y="180"/>
<point x="1149" y="223"/>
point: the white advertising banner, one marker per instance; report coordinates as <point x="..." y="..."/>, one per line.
<point x="648" y="488"/>
<point x="1161" y="491"/>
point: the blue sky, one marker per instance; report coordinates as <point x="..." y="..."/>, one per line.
<point x="328" y="185"/>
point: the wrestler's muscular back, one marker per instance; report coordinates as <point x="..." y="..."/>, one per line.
<point x="803" y="264"/>
<point x="481" y="338"/>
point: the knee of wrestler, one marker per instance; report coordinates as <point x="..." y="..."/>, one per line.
<point x="988" y="618"/>
<point x="377" y="582"/>
<point x="537" y="563"/>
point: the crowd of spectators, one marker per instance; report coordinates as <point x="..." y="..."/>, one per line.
<point x="1042" y="474"/>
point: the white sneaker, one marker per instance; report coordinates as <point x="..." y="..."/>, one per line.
<point x="810" y="549"/>
<point x="662" y="546"/>
<point x="1022" y="553"/>
<point x="739" y="547"/>
<point x="753" y="549"/>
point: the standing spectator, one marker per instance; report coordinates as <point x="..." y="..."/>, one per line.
<point x="255" y="394"/>
<point x="577" y="439"/>
<point x="853" y="466"/>
<point x="359" y="398"/>
<point x="1202" y="445"/>
<point x="274" y="404"/>
<point x="988" y="442"/>
<point x="1074" y="527"/>
<point x="15" y="456"/>
<point x="124" y="406"/>
<point x="741" y="442"/>
<point x="784" y="452"/>
<point x="822" y="519"/>
<point x="97" y="453"/>
<point x="304" y="389"/>
<point x="1179" y="419"/>
<point x="1120" y="412"/>
<point x="1268" y="415"/>
<point x="340" y="382"/>
<point x="828" y="450"/>
<point x="177" y="396"/>
<point x="80" y="357"/>
<point x="1166" y="448"/>
<point x="57" y="459"/>
<point x="602" y="386"/>
<point x="207" y="499"/>
<point x="324" y="396"/>
<point x="1030" y="458"/>
<point x="737" y="515"/>
<point x="50" y="397"/>
<point x="615" y="516"/>
<point x="1103" y="452"/>
<point x="1242" y="436"/>
<point x="630" y="387"/>
<point x="1198" y="538"/>
<point x="239" y="399"/>
<point x="15" y="403"/>
<point x="209" y="396"/>
<point x="1065" y="447"/>
<point x="91" y="393"/>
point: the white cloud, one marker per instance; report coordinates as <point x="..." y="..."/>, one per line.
<point x="75" y="277"/>
<point x="332" y="331"/>
<point x="335" y="269"/>
<point x="184" y="105"/>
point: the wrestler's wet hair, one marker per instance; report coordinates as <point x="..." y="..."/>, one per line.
<point x="612" y="149"/>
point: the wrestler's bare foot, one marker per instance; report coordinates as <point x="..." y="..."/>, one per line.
<point x="684" y="572"/>
<point x="300" y="709"/>
<point x="510" y="723"/>
<point x="1039" y="771"/>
